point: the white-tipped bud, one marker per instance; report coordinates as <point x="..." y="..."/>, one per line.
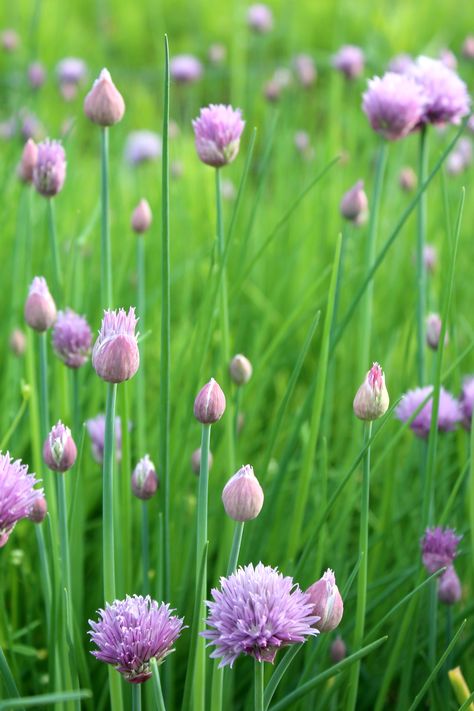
<point x="242" y="495"/>
<point x="372" y="400"/>
<point x="433" y="331"/>
<point x="144" y="479"/>
<point x="327" y="602"/>
<point x="104" y="104"/>
<point x="209" y="405"/>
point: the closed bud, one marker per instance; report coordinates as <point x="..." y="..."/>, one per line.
<point x="196" y="461"/>
<point x="104" y="104"/>
<point x="338" y="650"/>
<point x="144" y="479"/>
<point x="209" y="405"/>
<point x="433" y="331"/>
<point x="240" y="369"/>
<point x="407" y="179"/>
<point x="39" y="510"/>
<point x="18" y="342"/>
<point x="372" y="400"/>
<point x="115" y="356"/>
<point x="242" y="495"/>
<point x="40" y="309"/>
<point x="449" y="587"/>
<point x="141" y="217"/>
<point x="327" y="602"/>
<point x="28" y="161"/>
<point x="59" y="449"/>
<point x="354" y="204"/>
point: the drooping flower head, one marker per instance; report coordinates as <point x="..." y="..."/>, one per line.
<point x="394" y="105"/>
<point x="59" y="449"/>
<point x="185" y="69"/>
<point x="96" y="430"/>
<point x="217" y="134"/>
<point x="49" y="172"/>
<point x="131" y="632"/>
<point x="446" y="97"/>
<point x="72" y="338"/>
<point x="371" y="400"/>
<point x="257" y="611"/>
<point x="115" y="355"/>
<point x="466" y="401"/>
<point x="350" y="61"/>
<point x="449" y="411"/>
<point x="242" y="495"/>
<point x="260" y="18"/>
<point x="17" y="494"/>
<point x="40" y="309"/>
<point x="144" y="479"/>
<point x="438" y="548"/>
<point x="142" y="146"/>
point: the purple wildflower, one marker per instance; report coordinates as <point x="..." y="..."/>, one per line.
<point x="49" y="172"/>
<point x="449" y="411"/>
<point x="327" y="602"/>
<point x="17" y="494"/>
<point x="257" y="611"/>
<point x="144" y="479"/>
<point x="142" y="146"/>
<point x="449" y="587"/>
<point x="185" y="69"/>
<point x="394" y="105"/>
<point x="115" y="356"/>
<point x="96" y="430"/>
<point x="217" y="133"/>
<point x="260" y="18"/>
<point x="446" y="97"/>
<point x="350" y="61"/>
<point x="72" y="338"/>
<point x="71" y="70"/>
<point x="466" y="401"/>
<point x="438" y="548"/>
<point x="131" y="632"/>
<point x="305" y="70"/>
<point x="401" y="63"/>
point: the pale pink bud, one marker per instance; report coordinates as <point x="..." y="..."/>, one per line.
<point x="59" y="449"/>
<point x="468" y="47"/>
<point x="28" y="161"/>
<point x="433" y="331"/>
<point x="104" y="104"/>
<point x="327" y="602"/>
<point x="242" y="495"/>
<point x="39" y="510"/>
<point x="196" y="461"/>
<point x="372" y="400"/>
<point x="209" y="405"/>
<point x="40" y="309"/>
<point x="354" y="204"/>
<point x="338" y="650"/>
<point x="18" y="342"/>
<point x="240" y="369"/>
<point x="144" y="479"/>
<point x="141" y="217"/>
<point x="9" y="40"/>
<point x="407" y="179"/>
<point x="430" y="257"/>
<point x="115" y="356"/>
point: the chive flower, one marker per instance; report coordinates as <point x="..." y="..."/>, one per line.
<point x="115" y="356"/>
<point x="72" y="338"/>
<point x="372" y="400"/>
<point x="185" y="69"/>
<point x="59" y="449"/>
<point x="96" y="430"/>
<point x="49" y="172"/>
<point x="217" y="133"/>
<point x="439" y="548"/>
<point x="446" y="96"/>
<point x="394" y="105"/>
<point x="40" y="309"/>
<point x="349" y="60"/>
<point x="144" y="479"/>
<point x="142" y="146"/>
<point x="17" y="494"/>
<point x="449" y="410"/>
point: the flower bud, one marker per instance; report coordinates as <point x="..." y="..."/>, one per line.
<point x="372" y="400"/>
<point x="449" y="587"/>
<point x="209" y="405"/>
<point x="28" y="161"/>
<point x="433" y="331"/>
<point x="338" y="650"/>
<point x="36" y="75"/>
<point x="242" y="495"/>
<point x="468" y="47"/>
<point x="327" y="602"/>
<point x="18" y="342"/>
<point x="354" y="204"/>
<point x="104" y="104"/>
<point x="430" y="257"/>
<point x="49" y="172"/>
<point x="115" y="356"/>
<point x="144" y="479"/>
<point x="196" y="461"/>
<point x="40" y="309"/>
<point x="59" y="449"/>
<point x="240" y="369"/>
<point x="407" y="179"/>
<point x="141" y="217"/>
<point x="39" y="510"/>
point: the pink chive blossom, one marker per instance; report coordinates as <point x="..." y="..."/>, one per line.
<point x="260" y="18"/>
<point x="394" y="105"/>
<point x="59" y="449"/>
<point x="72" y="338"/>
<point x="9" y="40"/>
<point x="466" y="401"/>
<point x="468" y="47"/>
<point x="115" y="356"/>
<point x="39" y="510"/>
<point x="185" y="69"/>
<point x="144" y="479"/>
<point x="217" y="133"/>
<point x="40" y="309"/>
<point x="256" y="611"/>
<point x="401" y="64"/>
<point x="445" y="95"/>
<point x="350" y="61"/>
<point x="448" y="58"/>
<point x="71" y="72"/>
<point x="433" y="331"/>
<point x="17" y="342"/>
<point x="17" y="494"/>
<point x="142" y="146"/>
<point x="242" y="495"/>
<point x="439" y="548"/>
<point x="96" y="430"/>
<point x="49" y="172"/>
<point x="305" y="70"/>
<point x="407" y="179"/>
<point x="210" y="403"/>
<point x="371" y="400"/>
<point x="131" y="632"/>
<point x="141" y="217"/>
<point x="354" y="205"/>
<point x="449" y="411"/>
<point x="104" y="104"/>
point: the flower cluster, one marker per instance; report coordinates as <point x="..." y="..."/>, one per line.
<point x="439" y="549"/>
<point x="217" y="134"/>
<point x="449" y="410"/>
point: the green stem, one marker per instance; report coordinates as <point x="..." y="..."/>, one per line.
<point x="234" y="553"/>
<point x="141" y="304"/>
<point x="362" y="576"/>
<point x="15" y="422"/>
<point x="471" y="493"/>
<point x="420" y="262"/>
<point x="44" y="403"/>
<point x="63" y="532"/>
<point x="136" y="697"/>
<point x="76" y="403"/>
<point x="145" y="548"/>
<point x="106" y="259"/>
<point x="258" y="685"/>
<point x="57" y="274"/>
<point x="157" y="693"/>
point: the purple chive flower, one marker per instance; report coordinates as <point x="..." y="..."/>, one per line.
<point x="438" y="548"/>
<point x="71" y="72"/>
<point x="449" y="411"/>
<point x="27" y="164"/>
<point x="142" y="146"/>
<point x="49" y="172"/>
<point x="257" y="611"/>
<point x="96" y="430"/>
<point x="40" y="309"/>
<point x="260" y="18"/>
<point x="401" y="63"/>
<point x="446" y="97"/>
<point x="144" y="479"/>
<point x="72" y="338"/>
<point x="115" y="356"/>
<point x="350" y="61"/>
<point x="448" y="58"/>
<point x="217" y="134"/>
<point x="9" y="40"/>
<point x="305" y="70"/>
<point x="131" y="632"/>
<point x="466" y="401"/>
<point x="394" y="105"/>
<point x="354" y="205"/>
<point x="36" y="75"/>
<point x="185" y="69"/>
<point x="449" y="587"/>
<point x="17" y="494"/>
<point x="59" y="449"/>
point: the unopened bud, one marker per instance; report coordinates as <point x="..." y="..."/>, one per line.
<point x="141" y="217"/>
<point x="327" y="602"/>
<point x="59" y="449"/>
<point x="28" y="161"/>
<point x="354" y="204"/>
<point x="18" y="342"/>
<point x="144" y="479"/>
<point x="433" y="331"/>
<point x="104" y="104"/>
<point x="242" y="495"/>
<point x="338" y="650"/>
<point x="372" y="400"/>
<point x="209" y="405"/>
<point x="407" y="179"/>
<point x="449" y="587"/>
<point x="39" y="510"/>
<point x="240" y="369"/>
<point x="40" y="309"/>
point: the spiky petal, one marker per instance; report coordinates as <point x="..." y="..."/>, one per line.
<point x="217" y="133"/>
<point x="438" y="548"/>
<point x="449" y="410"/>
<point x="446" y="96"/>
<point x="72" y="338"/>
<point x="394" y="105"/>
<point x="17" y="494"/>
<point x="115" y="355"/>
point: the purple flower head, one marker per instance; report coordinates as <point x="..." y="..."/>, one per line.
<point x="17" y="494"/>
<point x="71" y="70"/>
<point x="40" y="309"/>
<point x="466" y="401"/>
<point x="10" y="40"/>
<point x="438" y="548"/>
<point x="350" y="61"/>
<point x="59" y="449"/>
<point x="49" y="172"/>
<point x="115" y="356"/>
<point x="446" y="97"/>
<point x="104" y="104"/>
<point x="401" y="63"/>
<point x="468" y="47"/>
<point x="72" y="338"/>
<point x="449" y="411"/>
<point x="260" y="18"/>
<point x="185" y="69"/>
<point x="96" y="430"/>
<point x="394" y="105"/>
<point x="449" y="587"/>
<point x="131" y="632"/>
<point x="305" y="70"/>
<point x="142" y="146"/>
<point x="217" y="134"/>
<point x="36" y="75"/>
<point x="257" y="611"/>
<point x="144" y="479"/>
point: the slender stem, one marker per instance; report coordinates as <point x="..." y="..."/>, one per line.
<point x="140" y="376"/>
<point x="234" y="553"/>
<point x="157" y="693"/>
<point x="145" y="548"/>
<point x="57" y="274"/>
<point x="136" y="697"/>
<point x="108" y="496"/>
<point x="106" y="259"/>
<point x="420" y="262"/>
<point x="64" y="535"/>
<point x="471" y="493"/>
<point x="362" y="576"/>
<point x="236" y="412"/>
<point x="258" y="688"/>
<point x="76" y="402"/>
<point x="44" y="401"/>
